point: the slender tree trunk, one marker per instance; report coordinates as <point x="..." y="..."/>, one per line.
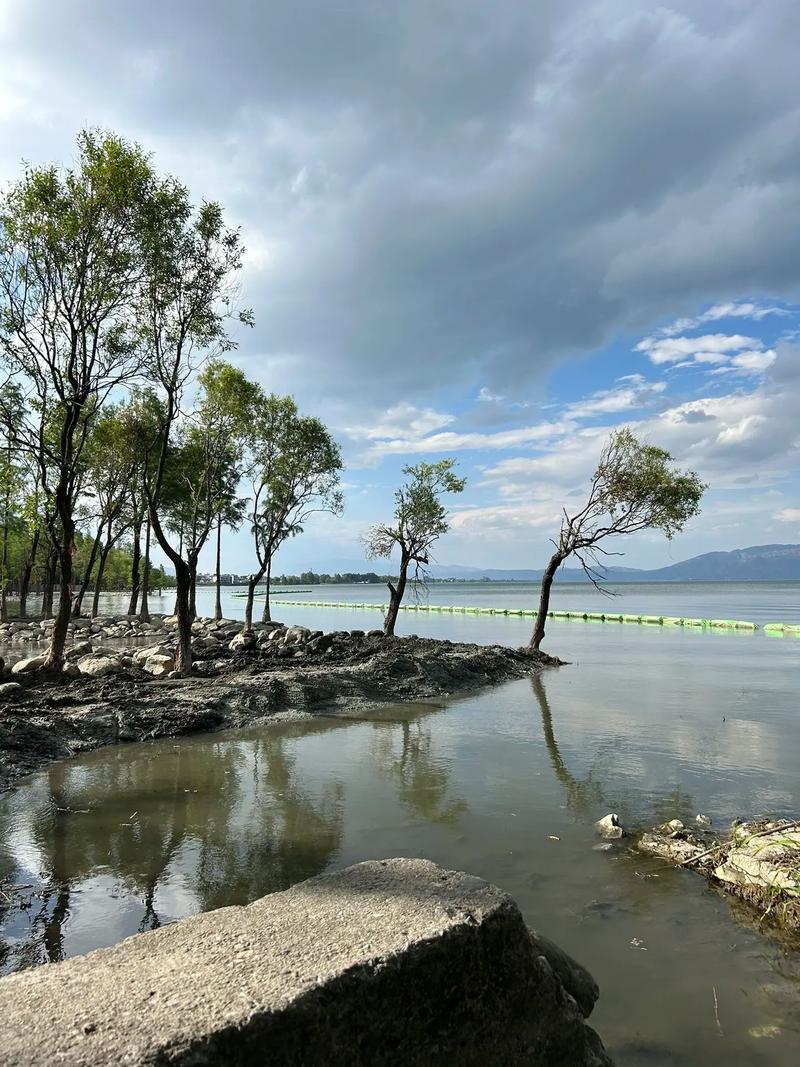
<point x="49" y="583"/>
<point x="193" y="588"/>
<point x="218" y="598"/>
<point x="265" y="615"/>
<point x="395" y="599"/>
<point x="183" y="585"/>
<point x="251" y="592"/>
<point x="58" y="638"/>
<point x="4" y="564"/>
<point x="27" y="571"/>
<point x="87" y="577"/>
<point x="544" y="600"/>
<point x="136" y="560"/>
<point x="144" y="610"/>
<point x="98" y="582"/>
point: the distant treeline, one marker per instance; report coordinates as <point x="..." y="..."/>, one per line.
<point x="348" y="578"/>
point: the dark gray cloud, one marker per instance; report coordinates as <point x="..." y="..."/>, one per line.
<point x="446" y="194"/>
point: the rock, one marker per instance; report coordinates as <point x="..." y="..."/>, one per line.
<point x="702" y="820"/>
<point x="610" y="826"/>
<point x="159" y="663"/>
<point x="678" y="850"/>
<point x="98" y="666"/>
<point x="763" y="857"/>
<point x="246" y="639"/>
<point x="674" y="826"/>
<point x="79" y="649"/>
<point x="71" y="670"/>
<point x="387" y="962"/>
<point x="10" y="689"/>
<point x="24" y="666"/>
<point x="295" y="635"/>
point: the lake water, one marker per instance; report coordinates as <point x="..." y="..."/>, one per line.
<point x="649" y="722"/>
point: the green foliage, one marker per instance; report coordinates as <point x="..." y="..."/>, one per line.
<point x="420" y="516"/>
<point x="295" y="467"/>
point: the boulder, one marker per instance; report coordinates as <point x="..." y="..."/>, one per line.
<point x="31" y="663"/>
<point x="98" y="666"/>
<point x="159" y="664"/>
<point x="388" y="962"/>
<point x="10" y="689"/>
<point x="610" y="826"/>
<point x="78" y="650"/>
<point x="296" y="635"/>
<point x="246" y="639"/>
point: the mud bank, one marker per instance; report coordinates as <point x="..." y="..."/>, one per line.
<point x="253" y="677"/>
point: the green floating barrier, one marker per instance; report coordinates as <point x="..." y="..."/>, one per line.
<point x="670" y="620"/>
<point x="782" y="628"/>
<point x="631" y="618"/>
<point x="596" y="616"/>
<point x="721" y="624"/>
<point x="653" y="620"/>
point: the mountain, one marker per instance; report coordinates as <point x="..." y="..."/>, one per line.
<point x="758" y="563"/>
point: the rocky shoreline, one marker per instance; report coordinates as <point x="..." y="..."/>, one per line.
<point x="758" y="862"/>
<point x="111" y="694"/>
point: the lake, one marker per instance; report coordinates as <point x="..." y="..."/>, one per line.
<point x="650" y="722"/>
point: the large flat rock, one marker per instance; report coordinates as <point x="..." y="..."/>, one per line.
<point x="387" y="962"/>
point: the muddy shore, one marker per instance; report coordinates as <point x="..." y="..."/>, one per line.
<point x="52" y="717"/>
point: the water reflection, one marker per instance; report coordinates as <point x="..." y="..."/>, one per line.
<point x="199" y="825"/>
<point x="581" y="794"/>
<point x="420" y="773"/>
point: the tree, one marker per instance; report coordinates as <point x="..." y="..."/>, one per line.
<point x="634" y="488"/>
<point x="190" y="260"/>
<point x="420" y="519"/>
<point x="226" y="405"/>
<point x="295" y="472"/>
<point x="69" y="265"/>
<point x="112" y="462"/>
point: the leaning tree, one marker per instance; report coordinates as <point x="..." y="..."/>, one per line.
<point x="420" y="519"/>
<point x="634" y="488"/>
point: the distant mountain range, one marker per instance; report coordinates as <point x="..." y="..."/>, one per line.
<point x="759" y="563"/>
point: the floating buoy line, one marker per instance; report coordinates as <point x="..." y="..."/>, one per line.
<point x="772" y="628"/>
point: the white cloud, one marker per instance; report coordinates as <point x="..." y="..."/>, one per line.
<point x="713" y="347"/>
<point x="788" y="515"/>
<point x="606" y="401"/>
<point x="402" y="421"/>
<point x="728" y="310"/>
<point x="753" y="362"/>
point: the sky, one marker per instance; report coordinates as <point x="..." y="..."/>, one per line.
<point x="493" y="231"/>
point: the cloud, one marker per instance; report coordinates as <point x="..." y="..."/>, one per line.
<point x="788" y="515"/>
<point x="709" y="348"/>
<point x="728" y="310"/>
<point x="447" y="194"/>
<point x="638" y="394"/>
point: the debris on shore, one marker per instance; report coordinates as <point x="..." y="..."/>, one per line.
<point x="758" y="862"/>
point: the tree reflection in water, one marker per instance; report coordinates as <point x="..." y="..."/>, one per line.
<point x="581" y="794"/>
<point x="421" y="775"/>
<point x="197" y="825"/>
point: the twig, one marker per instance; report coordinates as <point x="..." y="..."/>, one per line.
<point x="716" y="1011"/>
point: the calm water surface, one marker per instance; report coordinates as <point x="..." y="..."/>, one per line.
<point x="652" y="723"/>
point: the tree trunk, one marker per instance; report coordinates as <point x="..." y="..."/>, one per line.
<point x="218" y="598"/>
<point x="251" y="592"/>
<point x="395" y="599"/>
<point x="98" y="582"/>
<point x="87" y="577"/>
<point x="58" y="639"/>
<point x="183" y="651"/>
<point x="27" y="571"/>
<point x="265" y="615"/>
<point x="49" y="583"/>
<point x="192" y="562"/>
<point x="544" y="600"/>
<point x="144" y="610"/>
<point x="4" y="565"/>
<point x="136" y="560"/>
